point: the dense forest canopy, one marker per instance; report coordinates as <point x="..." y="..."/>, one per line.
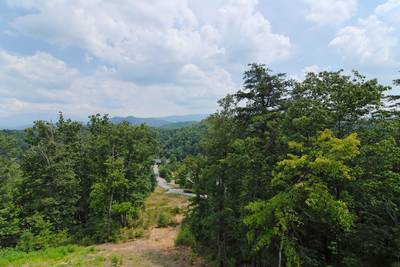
<point x="73" y="182"/>
<point x="286" y="173"/>
<point x="300" y="173"/>
<point x="178" y="143"/>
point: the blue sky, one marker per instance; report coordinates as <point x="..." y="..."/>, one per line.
<point x="158" y="58"/>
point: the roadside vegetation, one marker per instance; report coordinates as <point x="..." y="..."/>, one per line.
<point x="137" y="245"/>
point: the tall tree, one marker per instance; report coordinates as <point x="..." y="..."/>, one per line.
<point x="10" y="179"/>
<point x="308" y="202"/>
<point x="50" y="186"/>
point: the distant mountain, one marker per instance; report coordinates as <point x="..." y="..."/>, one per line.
<point x="168" y="122"/>
<point x="177" y="125"/>
<point x="185" y="118"/>
<point x="15" y="127"/>
<point x="153" y="122"/>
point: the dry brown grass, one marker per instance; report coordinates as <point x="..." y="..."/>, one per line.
<point x="157" y="245"/>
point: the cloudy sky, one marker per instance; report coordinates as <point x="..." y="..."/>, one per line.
<point x="164" y="57"/>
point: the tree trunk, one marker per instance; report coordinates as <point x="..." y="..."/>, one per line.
<point x="280" y="252"/>
<point x="109" y="214"/>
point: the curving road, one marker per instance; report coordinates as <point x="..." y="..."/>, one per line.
<point x="163" y="184"/>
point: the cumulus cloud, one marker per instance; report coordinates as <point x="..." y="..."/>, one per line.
<point x="247" y="35"/>
<point x="302" y="74"/>
<point x="373" y="40"/>
<point x="389" y="11"/>
<point x="330" y="12"/>
<point x="151" y="57"/>
<point x="151" y="40"/>
<point x="41" y="82"/>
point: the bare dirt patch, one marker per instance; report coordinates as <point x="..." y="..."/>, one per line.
<point x="157" y="247"/>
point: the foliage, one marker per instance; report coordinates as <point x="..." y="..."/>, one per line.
<point x="298" y="173"/>
<point x="310" y="187"/>
<point x="286" y="173"/>
<point x="177" y="144"/>
<point x="10" y="181"/>
<point x="73" y="181"/>
<point x="185" y="237"/>
<point x="165" y="172"/>
<point x="166" y="219"/>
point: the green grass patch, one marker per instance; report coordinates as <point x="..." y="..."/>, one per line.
<point x="185" y="237"/>
<point x="69" y="255"/>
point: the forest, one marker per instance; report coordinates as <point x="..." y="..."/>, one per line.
<point x="299" y="173"/>
<point x="286" y="173"/>
<point x="65" y="182"/>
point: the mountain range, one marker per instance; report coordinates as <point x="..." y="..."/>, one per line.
<point x="163" y="122"/>
<point x="170" y="122"/>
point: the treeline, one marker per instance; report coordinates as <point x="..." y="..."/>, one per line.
<point x="299" y="174"/>
<point x="177" y="144"/>
<point x="73" y="182"/>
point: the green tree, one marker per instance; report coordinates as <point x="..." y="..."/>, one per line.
<point x="117" y="175"/>
<point x="10" y="179"/>
<point x="105" y="197"/>
<point x="50" y="186"/>
<point x="311" y="196"/>
<point x="331" y="100"/>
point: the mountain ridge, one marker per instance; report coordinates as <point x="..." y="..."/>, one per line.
<point x="173" y="121"/>
<point x="161" y="121"/>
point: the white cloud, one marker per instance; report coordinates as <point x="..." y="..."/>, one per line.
<point x="389" y="11"/>
<point x="35" y="67"/>
<point x="302" y="74"/>
<point x="374" y="40"/>
<point x="153" y="40"/>
<point x="312" y="68"/>
<point x="43" y="83"/>
<point x="330" y="12"/>
<point x="246" y="35"/>
<point x="157" y="57"/>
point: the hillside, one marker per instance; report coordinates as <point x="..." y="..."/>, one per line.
<point x="169" y="122"/>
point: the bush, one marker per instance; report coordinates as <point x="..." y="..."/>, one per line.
<point x="185" y="237"/>
<point x="30" y="242"/>
<point x="176" y="210"/>
<point x="40" y="235"/>
<point x="126" y="234"/>
<point x="165" y="172"/>
<point x="165" y="219"/>
<point x="116" y="261"/>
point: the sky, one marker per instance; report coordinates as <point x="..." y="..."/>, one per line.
<point x="173" y="57"/>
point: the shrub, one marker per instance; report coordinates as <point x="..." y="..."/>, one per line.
<point x="40" y="235"/>
<point x="31" y="242"/>
<point x="176" y="210"/>
<point x="163" y="172"/>
<point x="166" y="173"/>
<point x="116" y="261"/>
<point x="130" y="233"/>
<point x="165" y="219"/>
<point x="185" y="237"/>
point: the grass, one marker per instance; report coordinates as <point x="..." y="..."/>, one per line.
<point x="70" y="255"/>
<point x="160" y="211"/>
<point x="185" y="237"/>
